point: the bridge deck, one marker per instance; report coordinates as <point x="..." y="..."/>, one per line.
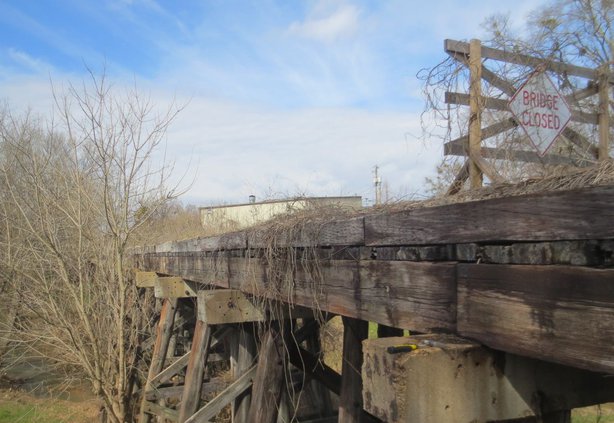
<point x="531" y="275"/>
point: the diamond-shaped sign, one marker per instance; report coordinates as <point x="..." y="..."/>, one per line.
<point x="541" y="111"/>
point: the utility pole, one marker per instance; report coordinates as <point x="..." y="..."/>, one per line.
<point x="377" y="182"/>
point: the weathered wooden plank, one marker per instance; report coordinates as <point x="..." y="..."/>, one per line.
<point x="224" y="306"/>
<point x="228" y="241"/>
<point x="314" y="345"/>
<point x="174" y="287"/>
<point x="246" y="356"/>
<point x="455" y="148"/>
<point x="158" y="356"/>
<point x="344" y="232"/>
<point x="476" y="170"/>
<point x="453" y="379"/>
<point x="350" y="399"/>
<point x="158" y="410"/>
<point x="422" y="297"/>
<point x="190" y="398"/>
<point x="313" y="366"/>
<point x="503" y="105"/>
<point x="522" y="59"/>
<point x="166" y="374"/>
<point x="146" y="279"/>
<point x="563" y="314"/>
<point x="193" y="266"/>
<point x="213" y="407"/>
<point x="409" y="295"/>
<point x="266" y="390"/>
<point x="214" y="385"/>
<point x="566" y="215"/>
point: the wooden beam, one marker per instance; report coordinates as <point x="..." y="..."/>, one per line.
<point x="422" y="298"/>
<point x="453" y="46"/>
<point x="145" y="279"/>
<point x="190" y="398"/>
<point x="174" y="287"/>
<point x="320" y="393"/>
<point x="492" y="78"/>
<point x="350" y="399"/>
<point x="503" y="105"/>
<point x="580" y="141"/>
<point x="213" y="407"/>
<point x="454" y="148"/>
<point x="475" y="114"/>
<point x="329" y="233"/>
<point x="246" y="356"/>
<point x="224" y="306"/>
<point x="214" y="385"/>
<point x="161" y="411"/>
<point x="459" y="179"/>
<point x="166" y="374"/>
<point x="489" y="131"/>
<point x="158" y="355"/>
<point x="584" y="213"/>
<point x="266" y="390"/>
<point x="453" y="379"/>
<point x="563" y="314"/>
<point x="604" y="117"/>
<point x="313" y="366"/>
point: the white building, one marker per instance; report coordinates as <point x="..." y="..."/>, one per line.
<point x="237" y="216"/>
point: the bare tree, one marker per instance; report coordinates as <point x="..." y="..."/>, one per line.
<point x="73" y="188"/>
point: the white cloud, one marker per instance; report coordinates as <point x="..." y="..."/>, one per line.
<point x="27" y="61"/>
<point x="342" y="22"/>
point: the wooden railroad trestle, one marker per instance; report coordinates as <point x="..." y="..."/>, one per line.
<point x="226" y="327"/>
<point x="525" y="299"/>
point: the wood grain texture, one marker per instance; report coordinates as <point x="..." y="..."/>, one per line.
<point x="350" y="398"/>
<point x="160" y="348"/>
<point x="562" y="314"/>
<point x="409" y="295"/>
<point x="337" y="232"/>
<point x="190" y="399"/>
<point x="268" y="382"/>
<point x="521" y="59"/>
<point x="575" y="214"/>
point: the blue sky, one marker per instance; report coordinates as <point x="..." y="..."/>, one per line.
<point x="284" y="97"/>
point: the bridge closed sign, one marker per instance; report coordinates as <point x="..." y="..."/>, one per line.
<point x="541" y="111"/>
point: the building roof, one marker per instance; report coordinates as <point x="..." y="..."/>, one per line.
<point x="286" y="200"/>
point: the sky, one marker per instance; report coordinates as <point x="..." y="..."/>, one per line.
<point x="282" y="97"/>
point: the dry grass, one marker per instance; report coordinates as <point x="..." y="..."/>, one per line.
<point x="19" y="406"/>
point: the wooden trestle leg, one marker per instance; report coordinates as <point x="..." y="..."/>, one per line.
<point x="246" y="355"/>
<point x="350" y="405"/>
<point x="195" y="371"/>
<point x="163" y="337"/>
<point x="266" y="391"/>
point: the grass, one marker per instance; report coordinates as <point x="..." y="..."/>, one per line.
<point x="20" y="407"/>
<point x="598" y="414"/>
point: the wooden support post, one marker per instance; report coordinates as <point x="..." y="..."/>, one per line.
<point x="453" y="379"/>
<point x="213" y="407"/>
<point x="604" y="115"/>
<point x="475" y="112"/>
<point x="194" y="374"/>
<point x="163" y="337"/>
<point x="246" y="355"/>
<point x="350" y="401"/>
<point x="266" y="391"/>
<point x="321" y="394"/>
